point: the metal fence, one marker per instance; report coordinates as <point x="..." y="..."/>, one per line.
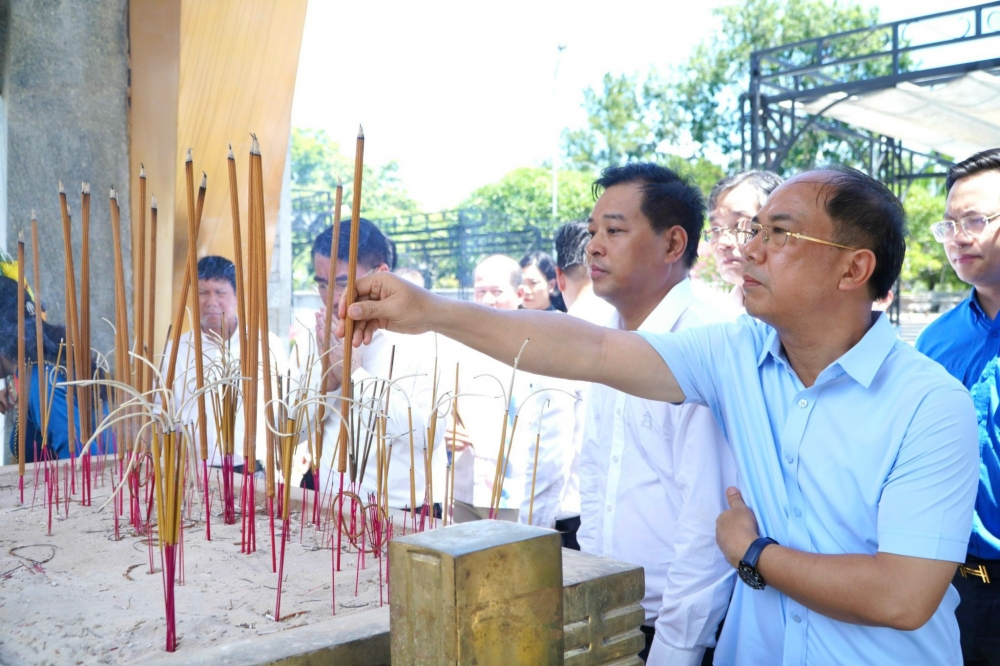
<point x="445" y="247"/>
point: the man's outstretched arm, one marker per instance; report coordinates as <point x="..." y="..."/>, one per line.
<point x="559" y="346"/>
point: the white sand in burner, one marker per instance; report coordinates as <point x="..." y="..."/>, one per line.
<point x="95" y="601"/>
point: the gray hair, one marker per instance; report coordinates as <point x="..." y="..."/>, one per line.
<point x="764" y="182"/>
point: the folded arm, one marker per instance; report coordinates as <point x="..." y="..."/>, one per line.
<point x="880" y="590"/>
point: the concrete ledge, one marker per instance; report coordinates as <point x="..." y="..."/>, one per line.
<point x="358" y="639"/>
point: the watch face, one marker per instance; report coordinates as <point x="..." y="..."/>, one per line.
<point x="750" y="576"/>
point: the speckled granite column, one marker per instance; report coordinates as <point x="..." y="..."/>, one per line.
<point x="64" y="117"/>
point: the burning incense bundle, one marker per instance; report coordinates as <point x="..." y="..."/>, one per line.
<point x="169" y="457"/>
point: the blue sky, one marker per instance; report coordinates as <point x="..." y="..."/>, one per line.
<point x="459" y="92"/>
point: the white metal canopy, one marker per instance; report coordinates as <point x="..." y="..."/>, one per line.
<point x="957" y="118"/>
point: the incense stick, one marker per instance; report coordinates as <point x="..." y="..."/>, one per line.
<point x="71" y="340"/>
<point x="151" y="302"/>
<point x="199" y="361"/>
<point x="43" y="407"/>
<point x="139" y="284"/>
<point x="22" y="375"/>
<point x="352" y="269"/>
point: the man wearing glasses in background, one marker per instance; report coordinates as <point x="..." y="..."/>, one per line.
<point x="731" y="205"/>
<point x="856" y="455"/>
<point x="966" y="341"/>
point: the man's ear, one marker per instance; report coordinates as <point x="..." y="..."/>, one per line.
<point x="859" y="271"/>
<point x="521" y="291"/>
<point x="676" y="243"/>
<point x="560" y="279"/>
<point x="383" y="268"/>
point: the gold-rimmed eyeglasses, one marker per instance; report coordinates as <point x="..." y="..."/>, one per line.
<point x="715" y="234"/>
<point x="780" y="236"/>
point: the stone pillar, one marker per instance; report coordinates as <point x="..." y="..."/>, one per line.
<point x="65" y="118"/>
<point x="487" y="593"/>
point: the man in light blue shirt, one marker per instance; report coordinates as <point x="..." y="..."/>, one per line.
<point x="857" y="456"/>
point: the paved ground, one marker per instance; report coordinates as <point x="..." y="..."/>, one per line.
<point x="911" y="325"/>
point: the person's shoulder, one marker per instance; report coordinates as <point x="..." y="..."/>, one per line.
<point x="944" y="327"/>
<point x="912" y="369"/>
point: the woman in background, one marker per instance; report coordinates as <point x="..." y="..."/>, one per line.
<point x="538" y="273"/>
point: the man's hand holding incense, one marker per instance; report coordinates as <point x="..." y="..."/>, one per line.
<point x="387" y="302"/>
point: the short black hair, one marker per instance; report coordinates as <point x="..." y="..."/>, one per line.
<point x="374" y="247"/>
<point x="764" y="182"/>
<point x="571" y="245"/>
<point x="667" y="200"/>
<point x="986" y="160"/>
<point x="866" y="214"/>
<point x="214" y="267"/>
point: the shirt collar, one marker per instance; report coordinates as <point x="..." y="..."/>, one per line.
<point x="861" y="362"/>
<point x="665" y="315"/>
<point x="977" y="310"/>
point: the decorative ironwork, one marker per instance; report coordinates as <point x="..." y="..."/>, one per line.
<point x="441" y="245"/>
<point x="785" y="77"/>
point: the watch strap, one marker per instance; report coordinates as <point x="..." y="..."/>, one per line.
<point x="755" y="549"/>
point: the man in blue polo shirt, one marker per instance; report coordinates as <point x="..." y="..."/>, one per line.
<point x="966" y="341"/>
<point x="856" y="455"/>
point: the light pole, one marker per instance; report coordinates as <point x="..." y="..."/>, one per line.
<point x="558" y="132"/>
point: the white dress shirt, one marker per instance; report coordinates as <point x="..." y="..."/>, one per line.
<point x="412" y="371"/>
<point x="483" y="382"/>
<point x="185" y="386"/>
<point x="653" y="478"/>
<point x="551" y="410"/>
<point x="591" y="308"/>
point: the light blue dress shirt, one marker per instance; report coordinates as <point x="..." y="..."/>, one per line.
<point x="878" y="455"/>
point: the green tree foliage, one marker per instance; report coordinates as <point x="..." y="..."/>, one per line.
<point x="525" y="196"/>
<point x="626" y="122"/>
<point x="926" y="266"/>
<point x="633" y="118"/>
<point x="706" y="89"/>
<point x="317" y="163"/>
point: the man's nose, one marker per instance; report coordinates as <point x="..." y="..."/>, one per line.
<point x="594" y="248"/>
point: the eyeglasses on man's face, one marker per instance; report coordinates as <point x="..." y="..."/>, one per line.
<point x="972" y="225"/>
<point x="779" y="236"/>
<point x="715" y="233"/>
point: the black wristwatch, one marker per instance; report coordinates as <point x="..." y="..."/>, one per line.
<point x="748" y="565"/>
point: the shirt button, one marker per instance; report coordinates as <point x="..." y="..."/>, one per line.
<point x="609" y="508"/>
<point x="790" y="459"/>
<point x="618" y="412"/>
<point x="798" y="514"/>
<point x="614" y="458"/>
<point x="803" y="403"/>
<point x="796" y="618"/>
<point x="994" y="334"/>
